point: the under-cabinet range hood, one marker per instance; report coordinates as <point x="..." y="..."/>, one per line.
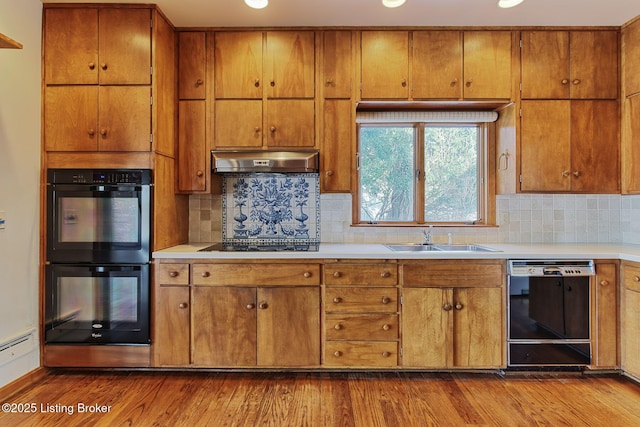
<point x="265" y="161"/>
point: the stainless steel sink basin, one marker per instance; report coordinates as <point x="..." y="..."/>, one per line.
<point x="410" y="247"/>
<point x="440" y="248"/>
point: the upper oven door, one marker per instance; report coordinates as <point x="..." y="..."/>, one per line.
<point x="98" y="223"/>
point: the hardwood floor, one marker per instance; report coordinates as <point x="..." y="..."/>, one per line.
<point x="323" y="399"/>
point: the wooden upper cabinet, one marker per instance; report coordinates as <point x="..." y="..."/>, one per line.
<point x="97" y="46"/>
<point x="192" y="147"/>
<point x="192" y="65"/>
<point x="335" y="145"/>
<point x="437" y="64"/>
<point x="487" y="64"/>
<point x="290" y="64"/>
<point x="630" y="145"/>
<point x="631" y="58"/>
<point x="570" y="146"/>
<point x="71" y="46"/>
<point x="238" y="65"/>
<point x="337" y="69"/>
<point x="576" y="64"/>
<point x="290" y="123"/>
<point x="385" y="64"/>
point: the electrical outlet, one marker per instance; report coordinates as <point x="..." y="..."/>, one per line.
<point x="504" y="218"/>
<point x="2" y="220"/>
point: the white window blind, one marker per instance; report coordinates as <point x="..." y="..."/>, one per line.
<point x="426" y="116"/>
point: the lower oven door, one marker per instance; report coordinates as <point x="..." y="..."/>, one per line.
<point x="549" y="321"/>
<point x="97" y="304"/>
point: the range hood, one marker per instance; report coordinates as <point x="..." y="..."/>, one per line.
<point x="265" y="161"/>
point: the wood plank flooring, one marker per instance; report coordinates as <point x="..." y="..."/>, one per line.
<point x="323" y="399"/>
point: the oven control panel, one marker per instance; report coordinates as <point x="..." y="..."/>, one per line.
<point x="537" y="268"/>
<point x="99" y="176"/>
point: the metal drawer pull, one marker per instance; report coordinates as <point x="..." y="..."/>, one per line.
<point x="386" y="327"/>
<point x="307" y="274"/>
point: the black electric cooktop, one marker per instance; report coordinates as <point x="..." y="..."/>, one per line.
<point x="262" y="247"/>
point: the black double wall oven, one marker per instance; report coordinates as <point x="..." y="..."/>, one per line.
<point x="98" y="256"/>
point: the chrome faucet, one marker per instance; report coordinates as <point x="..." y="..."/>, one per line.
<point x="427" y="235"/>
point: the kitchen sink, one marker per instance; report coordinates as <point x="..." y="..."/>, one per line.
<point x="421" y="247"/>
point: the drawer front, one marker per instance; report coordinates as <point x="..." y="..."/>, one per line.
<point x="379" y="274"/>
<point x="631" y="277"/>
<point x="361" y="327"/>
<point x="361" y="300"/>
<point x="361" y="353"/>
<point x="172" y="274"/>
<point x="256" y="274"/>
<point x="455" y="273"/>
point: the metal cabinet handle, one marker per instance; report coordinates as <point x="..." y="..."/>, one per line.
<point x="337" y="274"/>
<point x="263" y="306"/>
<point x="337" y="300"/>
<point x="576" y="81"/>
<point x="256" y="82"/>
<point x="251" y="306"/>
<point x="459" y="306"/>
<point x="386" y="354"/>
<point x="604" y="283"/>
<point x="337" y="353"/>
<point x="385" y="274"/>
<point x="199" y="82"/>
<point x="564" y="81"/>
<point x="307" y="274"/>
<point x="173" y="274"/>
<point x="337" y="326"/>
<point x="205" y="274"/>
<point x="447" y="307"/>
<point x="183" y="305"/>
<point x="91" y="132"/>
<point x="103" y="66"/>
<point x="386" y="327"/>
<point x="103" y="132"/>
<point x="386" y="300"/>
<point x="636" y="279"/>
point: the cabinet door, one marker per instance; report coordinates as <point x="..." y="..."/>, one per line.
<point x="71" y="46"/>
<point x="487" y="64"/>
<point x="289" y="326"/>
<point x="437" y="65"/>
<point x="191" y="65"/>
<point x="290" y="64"/>
<point x="545" y="64"/>
<point x="385" y="65"/>
<point x="71" y="118"/>
<point x="631" y="58"/>
<point x="545" y="146"/>
<point x="630" y="150"/>
<point x="594" y="64"/>
<point x="192" y="149"/>
<point x="238" y="65"/>
<point x="426" y="327"/>
<point x="237" y="123"/>
<point x="125" y="46"/>
<point x="290" y="123"/>
<point x="630" y="337"/>
<point x="124" y="118"/>
<point x="605" y="317"/>
<point x="224" y="326"/>
<point x="337" y="71"/>
<point x="336" y="146"/>
<point x="478" y="332"/>
<point x="595" y="147"/>
<point x="171" y="340"/>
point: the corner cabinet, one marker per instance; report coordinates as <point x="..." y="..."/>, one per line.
<point x="97" y="94"/>
<point x="453" y="314"/>
<point x="241" y="315"/>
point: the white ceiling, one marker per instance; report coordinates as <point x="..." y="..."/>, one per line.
<point x="293" y="13"/>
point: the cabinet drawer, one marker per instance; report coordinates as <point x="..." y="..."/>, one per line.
<point x="361" y="274"/>
<point x="361" y="353"/>
<point x="361" y="300"/>
<point x="172" y="274"/>
<point x="448" y="273"/>
<point x="361" y="327"/>
<point x="631" y="277"/>
<point x="256" y="274"/>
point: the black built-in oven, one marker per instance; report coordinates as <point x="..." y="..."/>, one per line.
<point x="549" y="313"/>
<point x="97" y="276"/>
<point x="98" y="216"/>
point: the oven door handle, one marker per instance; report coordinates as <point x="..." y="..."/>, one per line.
<point x="105" y="270"/>
<point x="109" y="188"/>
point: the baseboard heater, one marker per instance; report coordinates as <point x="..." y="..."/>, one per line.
<point x="17" y="346"/>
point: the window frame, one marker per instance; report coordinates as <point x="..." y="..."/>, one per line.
<point x="486" y="175"/>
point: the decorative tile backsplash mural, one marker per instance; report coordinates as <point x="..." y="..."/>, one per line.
<point x="271" y="207"/>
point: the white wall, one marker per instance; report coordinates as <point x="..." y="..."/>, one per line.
<point x="19" y="177"/>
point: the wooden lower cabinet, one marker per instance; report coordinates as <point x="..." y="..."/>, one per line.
<point x="630" y="339"/>
<point x="604" y="316"/>
<point x="453" y="314"/>
<point x="245" y="327"/>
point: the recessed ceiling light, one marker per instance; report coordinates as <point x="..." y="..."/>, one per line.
<point x="509" y="3"/>
<point x="257" y="4"/>
<point x="393" y="3"/>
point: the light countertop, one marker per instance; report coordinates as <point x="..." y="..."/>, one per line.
<point x="380" y="251"/>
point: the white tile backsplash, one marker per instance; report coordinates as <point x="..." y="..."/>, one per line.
<point x="522" y="218"/>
